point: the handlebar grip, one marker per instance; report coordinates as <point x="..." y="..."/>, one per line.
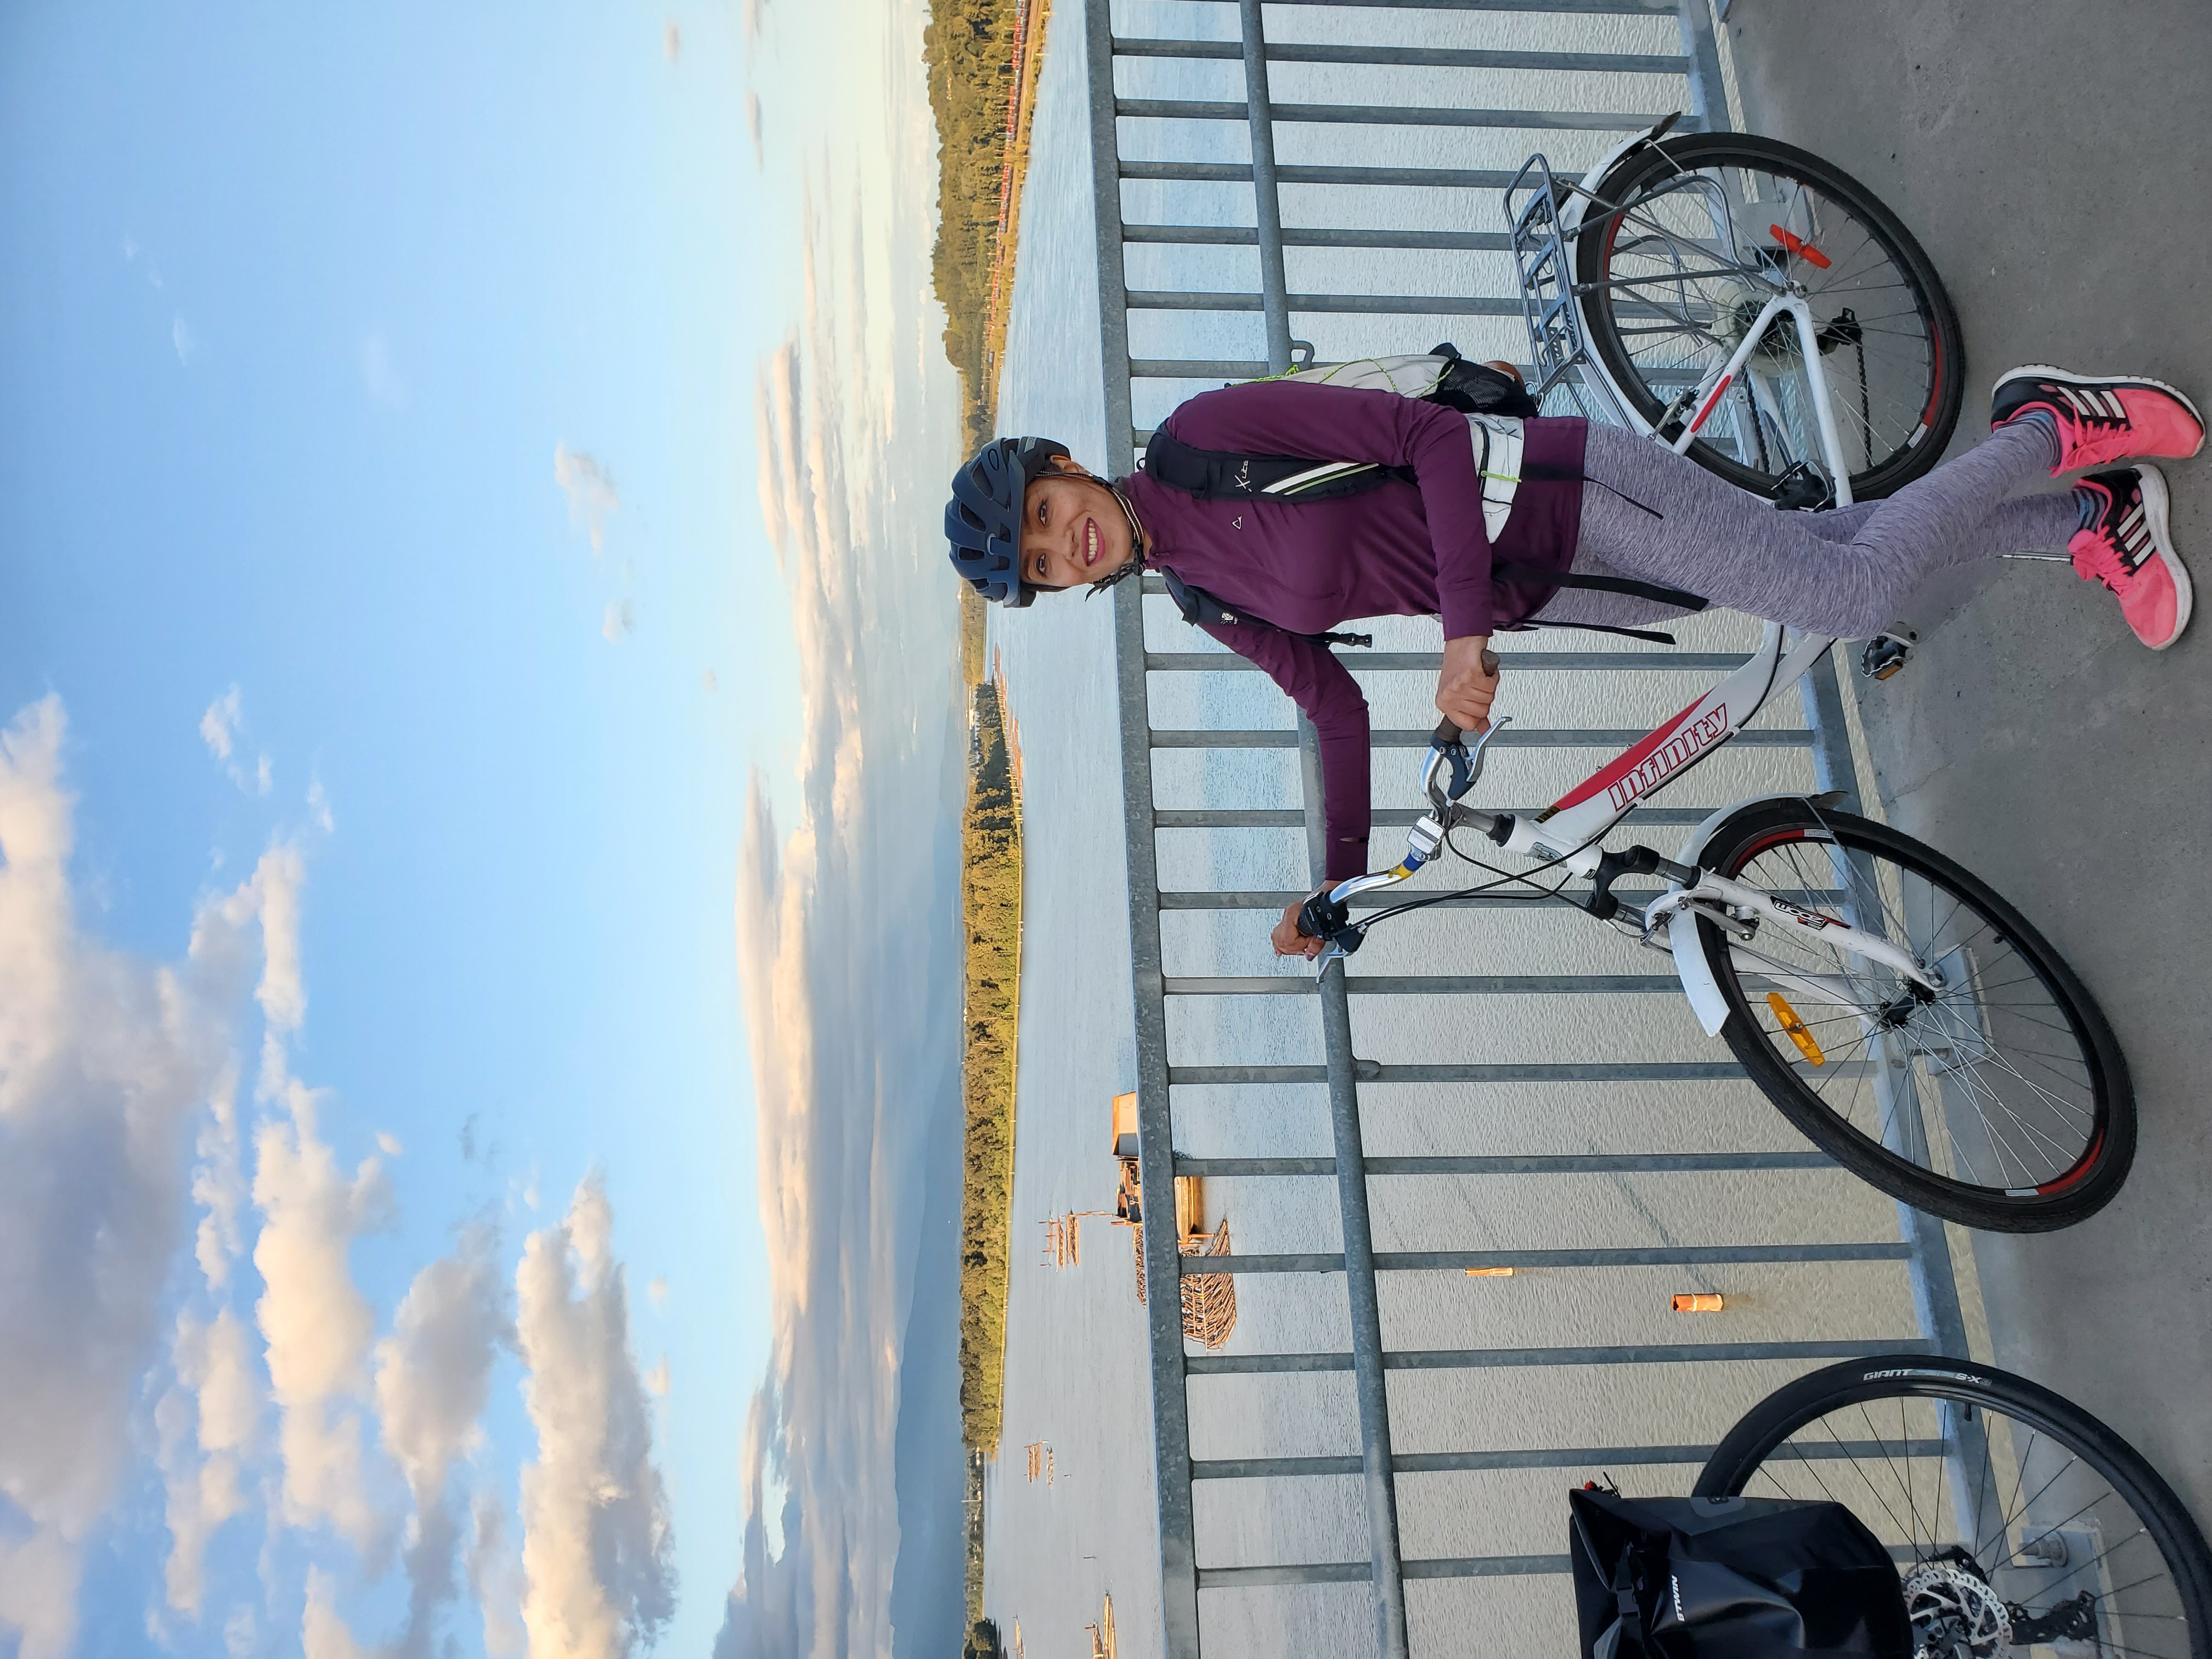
<point x="1446" y="733"/>
<point x="1322" y="915"/>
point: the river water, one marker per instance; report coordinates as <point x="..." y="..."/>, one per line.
<point x="1077" y="1370"/>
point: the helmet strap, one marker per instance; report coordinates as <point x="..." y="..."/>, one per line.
<point x="1128" y="512"/>
<point x="1136" y="561"/>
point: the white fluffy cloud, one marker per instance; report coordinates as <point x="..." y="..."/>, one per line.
<point x="592" y="496"/>
<point x="207" y="1424"/>
<point x="103" y="1058"/>
<point x="433" y="1376"/>
<point x="496" y="1577"/>
<point x="283" y="992"/>
<point x="315" y="1320"/>
<point x="596" y="1550"/>
<point x="323" y="1630"/>
<point x="219" y="725"/>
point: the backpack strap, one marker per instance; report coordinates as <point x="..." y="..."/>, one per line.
<point x="1200" y="609"/>
<point x="1214" y="475"/>
<point x="1651" y="636"/>
<point x="1532" y="575"/>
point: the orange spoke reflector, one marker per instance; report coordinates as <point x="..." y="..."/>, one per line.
<point x="1803" y="249"/>
<point x="1786" y="1018"/>
<point x="1489" y="1272"/>
<point x="1697" y="1302"/>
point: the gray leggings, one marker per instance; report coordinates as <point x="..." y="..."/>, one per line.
<point x="1649" y="514"/>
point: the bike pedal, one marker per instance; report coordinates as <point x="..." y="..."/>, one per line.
<point x="1886" y="653"/>
<point x="1803" y="489"/>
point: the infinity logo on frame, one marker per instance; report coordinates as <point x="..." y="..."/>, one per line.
<point x="1669" y="757"/>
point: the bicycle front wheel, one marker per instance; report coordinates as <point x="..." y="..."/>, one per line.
<point x="1675" y="262"/>
<point x="2000" y="1101"/>
<point x="2020" y="1523"/>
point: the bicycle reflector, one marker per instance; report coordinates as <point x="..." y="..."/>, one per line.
<point x="1803" y="249"/>
<point x="1794" y="1028"/>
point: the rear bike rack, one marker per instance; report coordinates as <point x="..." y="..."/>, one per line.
<point x="1558" y="351"/>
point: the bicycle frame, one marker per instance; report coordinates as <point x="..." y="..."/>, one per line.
<point x="1715" y="384"/>
<point x="1567" y="221"/>
<point x="1567" y="834"/>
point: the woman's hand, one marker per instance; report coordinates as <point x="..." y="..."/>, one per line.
<point x="1468" y="682"/>
<point x="1289" y="941"/>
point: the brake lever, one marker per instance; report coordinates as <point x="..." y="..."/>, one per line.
<point x="1465" y="762"/>
<point x="1481" y="747"/>
<point x="1337" y="950"/>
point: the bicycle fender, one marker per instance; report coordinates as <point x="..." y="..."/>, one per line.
<point x="1571" y="216"/>
<point x="1696" y="973"/>
<point x="1694" y="848"/>
<point x="1570" y="219"/>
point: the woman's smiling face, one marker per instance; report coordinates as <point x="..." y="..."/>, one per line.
<point x="1073" y="532"/>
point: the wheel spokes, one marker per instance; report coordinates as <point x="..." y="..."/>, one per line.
<point x="2001" y="1095"/>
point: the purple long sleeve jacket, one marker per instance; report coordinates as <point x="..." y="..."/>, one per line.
<point x="1397" y="550"/>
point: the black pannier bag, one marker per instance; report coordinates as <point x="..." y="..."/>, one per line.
<point x="1732" y="1579"/>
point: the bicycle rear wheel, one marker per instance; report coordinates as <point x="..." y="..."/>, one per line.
<point x="1689" y="240"/>
<point x="2002" y="1101"/>
<point x="2019" y="1522"/>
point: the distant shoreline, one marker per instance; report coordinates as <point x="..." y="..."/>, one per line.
<point x="983" y="58"/>
<point x="991" y="920"/>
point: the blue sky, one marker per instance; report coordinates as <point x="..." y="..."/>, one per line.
<point x="425" y="663"/>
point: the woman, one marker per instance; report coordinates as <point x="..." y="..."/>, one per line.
<point x="1591" y="501"/>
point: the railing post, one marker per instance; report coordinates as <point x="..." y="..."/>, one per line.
<point x="1708" y="91"/>
<point x="1275" y="286"/>
<point x="1935" y="1281"/>
<point x="1369" y="1387"/>
<point x="1155" y="1144"/>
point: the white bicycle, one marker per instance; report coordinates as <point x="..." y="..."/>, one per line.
<point x="1905" y="1018"/>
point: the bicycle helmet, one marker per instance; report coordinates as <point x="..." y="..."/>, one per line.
<point x="983" y="520"/>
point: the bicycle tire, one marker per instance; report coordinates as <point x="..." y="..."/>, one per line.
<point x="1757" y="1444"/>
<point x="1930" y="1036"/>
<point x="1640" y="170"/>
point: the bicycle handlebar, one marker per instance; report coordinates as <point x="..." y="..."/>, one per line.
<point x="1451" y="772"/>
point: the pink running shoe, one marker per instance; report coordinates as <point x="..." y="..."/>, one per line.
<point x="2129" y="550"/>
<point x="2101" y="421"/>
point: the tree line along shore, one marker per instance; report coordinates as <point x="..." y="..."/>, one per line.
<point x="982" y="58"/>
<point x="991" y="920"/>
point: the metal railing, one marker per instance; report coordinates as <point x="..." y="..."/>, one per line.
<point x="1163" y="1076"/>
